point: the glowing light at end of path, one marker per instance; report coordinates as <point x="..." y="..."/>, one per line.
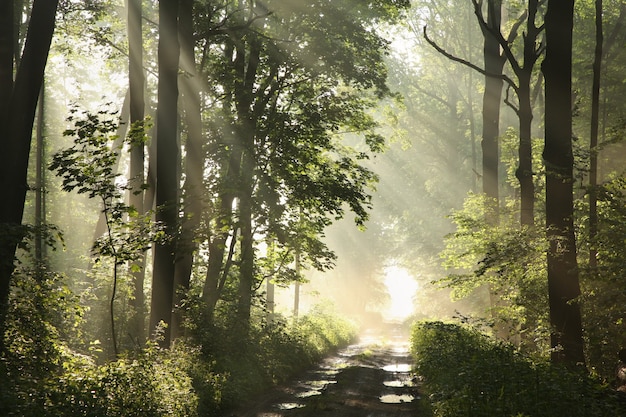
<point x="401" y="288"/>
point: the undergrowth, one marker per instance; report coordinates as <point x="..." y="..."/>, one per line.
<point x="207" y="374"/>
<point x="466" y="373"/>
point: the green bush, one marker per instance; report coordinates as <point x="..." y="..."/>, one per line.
<point x="154" y="383"/>
<point x="468" y="374"/>
<point x="271" y="352"/>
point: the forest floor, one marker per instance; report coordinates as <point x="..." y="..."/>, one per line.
<point x="369" y="379"/>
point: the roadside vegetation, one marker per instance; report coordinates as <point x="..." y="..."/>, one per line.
<point x="467" y="373"/>
<point x="209" y="371"/>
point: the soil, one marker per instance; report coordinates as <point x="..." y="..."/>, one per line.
<point x="372" y="378"/>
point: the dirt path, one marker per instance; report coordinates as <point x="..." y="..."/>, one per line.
<point x="368" y="379"/>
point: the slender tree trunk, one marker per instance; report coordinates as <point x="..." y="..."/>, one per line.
<point x="494" y="63"/>
<point x="593" y="139"/>
<point x="137" y="158"/>
<point x="166" y="168"/>
<point x="16" y="133"/>
<point x="563" y="284"/>
<point x="524" y="172"/>
<point x="7" y="45"/>
<point x="296" y="295"/>
<point x="271" y="300"/>
<point x="246" y="136"/>
<point x="40" y="193"/>
<point x="194" y="160"/>
<point x="246" y="272"/>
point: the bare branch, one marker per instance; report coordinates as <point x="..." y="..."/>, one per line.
<point x="509" y="103"/>
<point x="454" y="58"/>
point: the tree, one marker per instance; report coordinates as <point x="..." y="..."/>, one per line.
<point x="136" y="173"/>
<point x="523" y="70"/>
<point x="19" y="102"/>
<point x="492" y="97"/>
<point x="89" y="167"/>
<point x="280" y="142"/>
<point x="166" y="168"/>
<point x="193" y="189"/>
<point x="563" y="281"/>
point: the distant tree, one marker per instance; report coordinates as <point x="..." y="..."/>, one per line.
<point x="18" y="103"/>
<point x="563" y="281"/>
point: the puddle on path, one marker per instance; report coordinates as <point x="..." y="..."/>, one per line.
<point x="396" y="399"/>
<point x="398" y="367"/>
<point x="307" y="394"/>
<point x="289" y="406"/>
<point x="399" y="383"/>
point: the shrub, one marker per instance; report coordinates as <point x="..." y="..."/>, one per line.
<point x="468" y="374"/>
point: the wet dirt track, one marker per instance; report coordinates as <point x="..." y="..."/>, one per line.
<point x="368" y="379"/>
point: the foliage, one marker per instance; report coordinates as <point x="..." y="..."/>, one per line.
<point x="89" y="167"/>
<point x="603" y="298"/>
<point x="42" y="310"/>
<point x="270" y="352"/>
<point x="504" y="257"/>
<point x="468" y="374"/>
<point x="154" y="383"/>
<point x="41" y="375"/>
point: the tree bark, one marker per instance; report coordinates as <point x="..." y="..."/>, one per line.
<point x="563" y="281"/>
<point x="166" y="169"/>
<point x="137" y="157"/>
<point x="40" y="184"/>
<point x="16" y="133"/>
<point x="492" y="97"/>
<point x="593" y="139"/>
<point x="246" y="136"/>
<point x="194" y="160"/>
<point x="524" y="172"/>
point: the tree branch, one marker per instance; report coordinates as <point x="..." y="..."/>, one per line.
<point x="509" y="102"/>
<point x="454" y="58"/>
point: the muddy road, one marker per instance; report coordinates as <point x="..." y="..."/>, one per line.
<point x="369" y="379"/>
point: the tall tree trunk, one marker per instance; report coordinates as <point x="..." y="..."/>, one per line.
<point x="16" y="133"/>
<point x="137" y="157"/>
<point x="7" y="45"/>
<point x="246" y="271"/>
<point x="524" y="172"/>
<point x="296" y="295"/>
<point x="166" y="168"/>
<point x="194" y="160"/>
<point x="494" y="63"/>
<point x="246" y="136"/>
<point x="40" y="193"/>
<point x="593" y="139"/>
<point x="563" y="283"/>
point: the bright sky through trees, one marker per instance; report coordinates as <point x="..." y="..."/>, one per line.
<point x="401" y="287"/>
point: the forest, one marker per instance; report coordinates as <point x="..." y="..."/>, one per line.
<point x="202" y="198"/>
